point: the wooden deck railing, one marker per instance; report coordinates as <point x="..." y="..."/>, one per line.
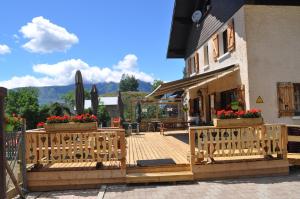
<point x="211" y="142"/>
<point x="66" y="147"/>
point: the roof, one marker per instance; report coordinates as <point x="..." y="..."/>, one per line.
<point x="182" y="84"/>
<point x="180" y="28"/>
<point x="108" y="101"/>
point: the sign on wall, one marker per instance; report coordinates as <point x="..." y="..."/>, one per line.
<point x="259" y="100"/>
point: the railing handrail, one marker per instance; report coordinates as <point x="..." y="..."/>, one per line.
<point x="100" y="130"/>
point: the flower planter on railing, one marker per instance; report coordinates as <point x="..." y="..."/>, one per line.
<point x="72" y="126"/>
<point x="85" y="122"/>
<point x="238" y="122"/>
<point x="239" y="119"/>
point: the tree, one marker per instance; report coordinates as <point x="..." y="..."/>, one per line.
<point x="69" y="98"/>
<point x="156" y="84"/>
<point x="24" y="102"/>
<point x="44" y="113"/>
<point x="103" y="115"/>
<point x="128" y="83"/>
<point x="185" y="75"/>
<point x="59" y="109"/>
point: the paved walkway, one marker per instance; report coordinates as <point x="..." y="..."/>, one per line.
<point x="287" y="187"/>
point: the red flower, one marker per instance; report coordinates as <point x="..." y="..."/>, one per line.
<point x="40" y="125"/>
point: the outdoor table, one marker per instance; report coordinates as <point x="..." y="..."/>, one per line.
<point x="153" y="124"/>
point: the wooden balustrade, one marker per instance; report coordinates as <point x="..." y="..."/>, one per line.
<point x="211" y="142"/>
<point x="68" y="147"/>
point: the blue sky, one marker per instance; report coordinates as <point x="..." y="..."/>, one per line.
<point x="45" y="42"/>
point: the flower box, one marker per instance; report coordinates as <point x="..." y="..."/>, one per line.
<point x="72" y="126"/>
<point x="238" y="122"/>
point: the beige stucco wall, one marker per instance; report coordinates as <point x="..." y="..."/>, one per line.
<point x="273" y="51"/>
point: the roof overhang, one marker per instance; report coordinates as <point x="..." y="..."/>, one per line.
<point x="183" y="84"/>
<point x="180" y="28"/>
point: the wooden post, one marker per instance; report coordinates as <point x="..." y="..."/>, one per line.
<point x="192" y="147"/>
<point x="284" y="141"/>
<point x="23" y="156"/>
<point x="123" y="151"/>
<point x="3" y="93"/>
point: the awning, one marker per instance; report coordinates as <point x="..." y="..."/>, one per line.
<point x="197" y="80"/>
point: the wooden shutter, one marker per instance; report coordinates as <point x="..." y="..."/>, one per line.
<point x="241" y="96"/>
<point x="285" y="92"/>
<point x="196" y="61"/>
<point x="189" y="66"/>
<point x="216" y="52"/>
<point x="230" y="36"/>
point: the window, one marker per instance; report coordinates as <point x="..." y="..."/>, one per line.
<point x="227" y="97"/>
<point x="297" y="99"/>
<point x="225" y="42"/>
<point x="206" y="58"/>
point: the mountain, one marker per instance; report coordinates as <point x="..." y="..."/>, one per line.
<point x="51" y="94"/>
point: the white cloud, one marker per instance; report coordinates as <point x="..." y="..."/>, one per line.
<point x="46" y="37"/>
<point x="62" y="73"/>
<point x="4" y="49"/>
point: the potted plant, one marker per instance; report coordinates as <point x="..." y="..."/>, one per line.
<point x="84" y="122"/>
<point x="240" y="118"/>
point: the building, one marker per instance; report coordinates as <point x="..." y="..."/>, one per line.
<point x="241" y="52"/>
<point x="111" y="105"/>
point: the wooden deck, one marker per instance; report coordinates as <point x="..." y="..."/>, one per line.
<point x="153" y="146"/>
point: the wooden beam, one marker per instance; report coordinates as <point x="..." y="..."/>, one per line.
<point x="13" y="179"/>
<point x="3" y="93"/>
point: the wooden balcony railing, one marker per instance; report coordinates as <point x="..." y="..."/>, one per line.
<point x="211" y="142"/>
<point x="68" y="147"/>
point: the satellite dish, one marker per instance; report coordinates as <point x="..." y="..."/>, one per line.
<point x="197" y="15"/>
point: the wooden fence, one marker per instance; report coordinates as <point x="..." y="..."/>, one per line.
<point x="68" y="147"/>
<point x="211" y="142"/>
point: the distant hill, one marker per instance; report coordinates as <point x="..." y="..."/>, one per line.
<point x="50" y="94"/>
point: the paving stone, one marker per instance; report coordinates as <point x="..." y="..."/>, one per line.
<point x="254" y="188"/>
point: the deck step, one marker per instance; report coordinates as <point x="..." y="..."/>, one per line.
<point x="157" y="169"/>
<point x="159" y="177"/>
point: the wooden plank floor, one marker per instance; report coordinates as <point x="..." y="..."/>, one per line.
<point x="152" y="145"/>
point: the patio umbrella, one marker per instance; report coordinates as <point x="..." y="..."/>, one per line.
<point x="79" y="93"/>
<point x="121" y="107"/>
<point x="138" y="112"/>
<point x="94" y="99"/>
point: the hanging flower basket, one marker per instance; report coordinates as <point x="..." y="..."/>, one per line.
<point x="239" y="119"/>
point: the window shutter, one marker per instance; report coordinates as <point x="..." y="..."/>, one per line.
<point x="285" y="92"/>
<point x="216" y="46"/>
<point x="241" y="96"/>
<point x="196" y="61"/>
<point x="230" y="36"/>
<point x="189" y="66"/>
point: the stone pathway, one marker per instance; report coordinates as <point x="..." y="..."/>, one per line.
<point x="283" y="187"/>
